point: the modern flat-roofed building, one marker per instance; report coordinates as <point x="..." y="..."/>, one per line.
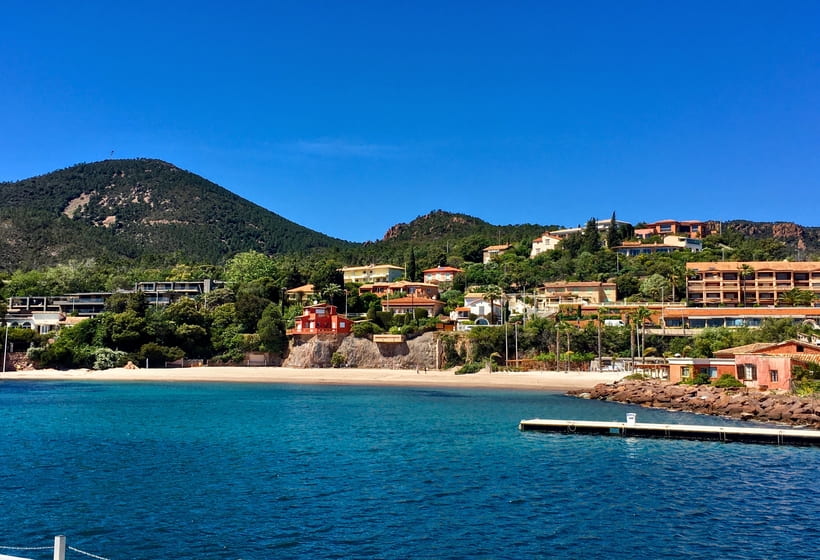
<point x="695" y="229"/>
<point x="671" y="243"/>
<point x="556" y="293"/>
<point x="756" y="283"/>
<point x="602" y="225"/>
<point x="371" y="273"/>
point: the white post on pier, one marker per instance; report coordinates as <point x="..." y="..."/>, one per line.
<point x="59" y="547"/>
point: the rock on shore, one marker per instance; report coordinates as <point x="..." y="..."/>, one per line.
<point x="742" y="403"/>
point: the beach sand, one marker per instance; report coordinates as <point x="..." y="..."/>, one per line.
<point x="533" y="380"/>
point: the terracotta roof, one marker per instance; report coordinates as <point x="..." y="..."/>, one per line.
<point x="370" y="266"/>
<point x="413" y="301"/>
<point x="498" y="247"/>
<point x="306" y="289"/>
<point x="765" y="266"/>
<point x="801" y="357"/>
<point x="443" y="269"/>
<point x="577" y="284"/>
<point x="717" y="312"/>
<point x="762" y="347"/>
<point x="753" y="348"/>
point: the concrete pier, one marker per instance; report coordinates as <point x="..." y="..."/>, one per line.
<point x="775" y="436"/>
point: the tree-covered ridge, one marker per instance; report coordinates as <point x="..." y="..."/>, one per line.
<point x="138" y="208"/>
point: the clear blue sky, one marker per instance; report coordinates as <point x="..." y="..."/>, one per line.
<point x="349" y="117"/>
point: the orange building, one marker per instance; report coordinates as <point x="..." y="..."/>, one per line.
<point x="688" y="228"/>
<point x="384" y="289"/>
<point x="771" y="365"/>
<point x="441" y="274"/>
<point x="410" y="304"/>
<point x="321" y="319"/>
<point x="686" y="369"/>
<point x="749" y="283"/>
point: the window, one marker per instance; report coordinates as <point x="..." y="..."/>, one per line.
<point x="773" y="375"/>
<point x="749" y="372"/>
<point x="712" y="372"/>
<point x="685" y="372"/>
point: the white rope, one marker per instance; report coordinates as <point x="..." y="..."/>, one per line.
<point x="86" y="553"/>
<point x="27" y="547"/>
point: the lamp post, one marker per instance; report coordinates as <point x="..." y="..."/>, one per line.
<point x="5" y="345"/>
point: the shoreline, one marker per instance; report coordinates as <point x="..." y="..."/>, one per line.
<point x="531" y="380"/>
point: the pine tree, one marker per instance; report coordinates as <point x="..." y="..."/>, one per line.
<point x="412" y="274"/>
<point x="592" y="239"/>
<point x="613" y="236"/>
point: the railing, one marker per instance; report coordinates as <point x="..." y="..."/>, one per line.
<point x="313" y="331"/>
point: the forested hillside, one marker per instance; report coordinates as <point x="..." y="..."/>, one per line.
<point x="137" y="209"/>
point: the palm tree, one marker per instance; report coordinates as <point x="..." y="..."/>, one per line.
<point x="493" y="293"/>
<point x="641" y="315"/>
<point x="331" y="292"/>
<point x="746" y="272"/>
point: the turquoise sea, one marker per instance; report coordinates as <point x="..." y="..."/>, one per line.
<point x="255" y="471"/>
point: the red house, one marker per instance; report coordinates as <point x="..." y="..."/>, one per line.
<point x="321" y="319"/>
<point x="771" y="365"/>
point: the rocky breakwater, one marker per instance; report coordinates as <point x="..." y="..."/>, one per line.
<point x="741" y="403"/>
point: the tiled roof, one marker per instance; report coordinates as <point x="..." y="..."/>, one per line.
<point x="753" y="348"/>
<point x="764" y="266"/>
<point x="497" y="247"/>
<point x="763" y="347"/>
<point x="718" y="312"/>
<point x="443" y="269"/>
<point x="414" y="301"/>
<point x="306" y="289"/>
<point x="578" y="284"/>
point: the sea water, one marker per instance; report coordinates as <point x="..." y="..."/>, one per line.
<point x="255" y="471"/>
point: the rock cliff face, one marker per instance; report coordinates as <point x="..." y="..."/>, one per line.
<point x="363" y="353"/>
<point x="705" y="399"/>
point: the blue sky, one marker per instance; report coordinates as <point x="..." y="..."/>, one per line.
<point x="349" y="117"/>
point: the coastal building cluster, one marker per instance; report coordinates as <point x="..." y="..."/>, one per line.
<point x="716" y="294"/>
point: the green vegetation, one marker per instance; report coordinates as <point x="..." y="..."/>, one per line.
<point x="728" y="381"/>
<point x="470" y="367"/>
<point x="104" y="226"/>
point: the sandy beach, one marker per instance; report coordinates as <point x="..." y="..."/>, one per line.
<point x="533" y="380"/>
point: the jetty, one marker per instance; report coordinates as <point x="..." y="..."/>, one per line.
<point x="631" y="428"/>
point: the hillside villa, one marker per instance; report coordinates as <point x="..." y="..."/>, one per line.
<point x="671" y="243"/>
<point x="489" y="253"/>
<point x="385" y="289"/>
<point x="441" y="275"/>
<point x="694" y="229"/>
<point x="321" y="318"/>
<point x="371" y="273"/>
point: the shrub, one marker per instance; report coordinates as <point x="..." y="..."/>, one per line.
<point x="337" y="360"/>
<point x="157" y="354"/>
<point x="636" y="376"/>
<point x="361" y="330"/>
<point x="701" y="379"/>
<point x="105" y="358"/>
<point x="471" y="367"/>
<point x="727" y="381"/>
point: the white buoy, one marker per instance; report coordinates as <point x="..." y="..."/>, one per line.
<point x="630" y="418"/>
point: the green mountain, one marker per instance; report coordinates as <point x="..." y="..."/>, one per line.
<point x="801" y="242"/>
<point x="445" y="236"/>
<point x="137" y="209"/>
